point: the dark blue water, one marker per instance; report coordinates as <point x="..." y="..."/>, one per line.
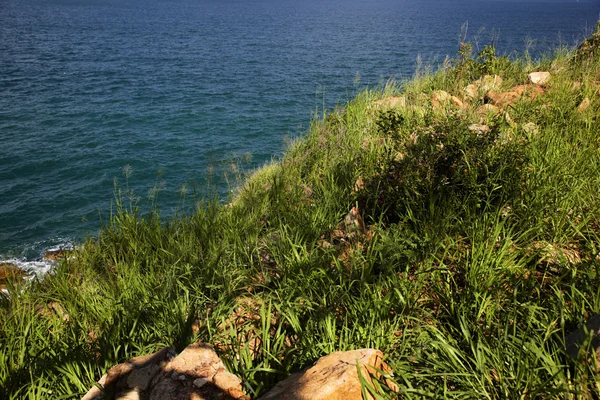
<point x="179" y="90"/>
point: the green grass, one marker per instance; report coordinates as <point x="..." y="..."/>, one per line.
<point x="481" y="253"/>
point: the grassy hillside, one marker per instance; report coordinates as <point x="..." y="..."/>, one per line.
<point x="458" y="237"/>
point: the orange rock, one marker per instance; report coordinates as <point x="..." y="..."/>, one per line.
<point x="58" y="254"/>
<point x="457" y="102"/>
<point x="440" y="98"/>
<point x="196" y="373"/>
<point x="503" y="99"/>
<point x="529" y="91"/>
<point x="487" y="109"/>
<point x="584" y="105"/>
<point x="391" y="102"/>
<point x="10" y="272"/>
<point x="359" y="184"/>
<point x="333" y="377"/>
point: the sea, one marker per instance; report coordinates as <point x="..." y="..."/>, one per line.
<point x="161" y="103"/>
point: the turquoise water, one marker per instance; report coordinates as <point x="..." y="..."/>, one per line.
<point x="178" y="90"/>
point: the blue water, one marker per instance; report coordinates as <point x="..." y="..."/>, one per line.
<point x="178" y="90"/>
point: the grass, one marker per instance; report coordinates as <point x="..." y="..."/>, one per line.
<point x="480" y="253"/>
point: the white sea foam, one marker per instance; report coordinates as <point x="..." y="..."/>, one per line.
<point x="36" y="268"/>
<point x="41" y="265"/>
<point x="33" y="269"/>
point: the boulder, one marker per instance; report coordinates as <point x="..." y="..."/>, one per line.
<point x="539" y="78"/>
<point x="333" y="377"/>
<point x="504" y="99"/>
<point x="196" y="373"/>
<point x="391" y="102"/>
<point x="131" y="376"/>
<point x="501" y="99"/>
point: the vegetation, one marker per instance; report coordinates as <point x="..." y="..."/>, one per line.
<point x="478" y="254"/>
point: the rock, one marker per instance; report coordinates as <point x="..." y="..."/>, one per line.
<point x="333" y="377"/>
<point x="479" y="129"/>
<point x="510" y="121"/>
<point x="208" y="377"/>
<point x="529" y="91"/>
<point x="488" y="82"/>
<point x="584" y="105"/>
<point x="53" y="309"/>
<point x="482" y="86"/>
<point x="10" y="272"/>
<point x="352" y="223"/>
<point x="531" y="128"/>
<point x="131" y="394"/>
<point x="359" y="184"/>
<point x="163" y="376"/>
<point x="539" y="78"/>
<point x="131" y="378"/>
<point x="486" y="110"/>
<point x="391" y="102"/>
<point x="503" y="99"/>
<point x="457" y="102"/>
<point x="471" y="91"/>
<point x="440" y="98"/>
<point x="199" y="382"/>
<point x="575" y="340"/>
<point x="58" y="254"/>
<point x="95" y="393"/>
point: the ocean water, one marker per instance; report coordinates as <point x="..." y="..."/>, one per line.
<point x="172" y="92"/>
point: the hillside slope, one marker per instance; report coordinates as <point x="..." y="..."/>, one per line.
<point x="451" y="222"/>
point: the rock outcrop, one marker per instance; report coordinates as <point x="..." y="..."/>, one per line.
<point x="10" y="272"/>
<point x="58" y="254"/>
<point x="197" y="373"/>
<point x="333" y="377"/>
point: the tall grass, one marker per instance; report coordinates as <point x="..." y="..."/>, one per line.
<point x="479" y="255"/>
